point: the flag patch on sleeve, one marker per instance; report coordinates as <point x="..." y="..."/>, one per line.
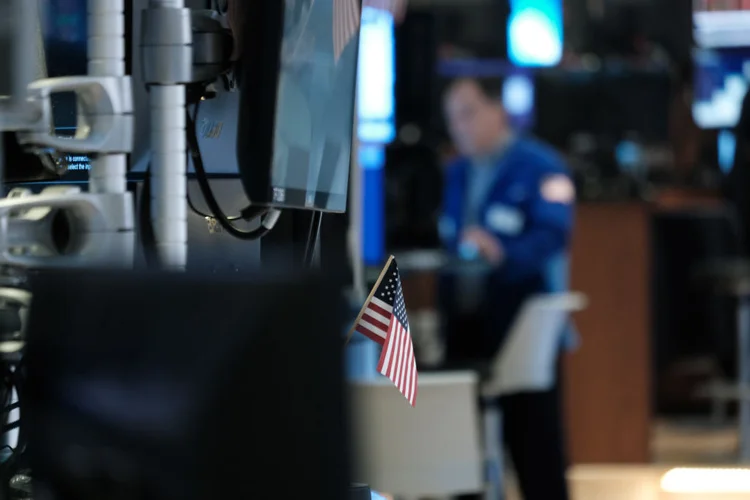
<point x="558" y="189"/>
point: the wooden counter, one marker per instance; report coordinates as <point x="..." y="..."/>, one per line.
<point x="606" y="382"/>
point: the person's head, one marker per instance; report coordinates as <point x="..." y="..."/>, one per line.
<point x="476" y="120"/>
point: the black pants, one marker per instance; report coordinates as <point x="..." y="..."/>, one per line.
<point x="533" y="434"/>
<point x="532" y="428"/>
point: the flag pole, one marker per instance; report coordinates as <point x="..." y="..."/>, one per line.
<point x="369" y="297"/>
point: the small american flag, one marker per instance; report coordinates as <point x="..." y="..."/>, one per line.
<point x="346" y="17"/>
<point x="383" y="320"/>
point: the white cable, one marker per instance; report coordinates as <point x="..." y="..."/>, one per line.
<point x="168" y="176"/>
<point x="169" y="211"/>
<point x="106" y="54"/>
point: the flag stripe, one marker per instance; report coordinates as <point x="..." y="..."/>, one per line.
<point x="407" y="379"/>
<point x="415" y="377"/>
<point x="346" y="18"/>
<point x="373" y="325"/>
<point x="402" y="368"/>
<point x="385" y="309"/>
<point x="371" y="332"/>
<point x="396" y="358"/>
<point x="375" y="318"/>
<point x="400" y="363"/>
<point x="384" y="365"/>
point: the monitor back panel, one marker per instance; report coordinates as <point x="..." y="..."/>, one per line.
<point x="185" y="386"/>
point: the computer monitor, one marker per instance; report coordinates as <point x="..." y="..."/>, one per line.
<point x="298" y="77"/>
<point x="721" y="23"/>
<point x="535" y="32"/>
<point x="376" y="78"/>
<point x="185" y="386"/>
<point x="610" y="105"/>
<point x="720" y="84"/>
<point x="63" y="30"/>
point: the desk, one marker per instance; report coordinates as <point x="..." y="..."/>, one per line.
<point x="430" y="450"/>
<point x="608" y="382"/>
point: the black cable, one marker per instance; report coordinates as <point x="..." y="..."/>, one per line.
<point x="12" y="425"/>
<point x="148" y="238"/>
<point x="312" y="238"/>
<point x="189" y="199"/>
<point x="197" y="212"/>
<point x="145" y="224"/>
<point x="208" y="195"/>
<point x="10" y="407"/>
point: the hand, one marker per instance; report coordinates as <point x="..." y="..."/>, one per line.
<point x="489" y="247"/>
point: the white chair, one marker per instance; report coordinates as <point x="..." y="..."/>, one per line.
<point x="431" y="450"/>
<point x="526" y="363"/>
<point x="435" y="449"/>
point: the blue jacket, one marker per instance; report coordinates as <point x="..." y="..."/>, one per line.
<point x="532" y="222"/>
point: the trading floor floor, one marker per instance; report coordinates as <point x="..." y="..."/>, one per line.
<point x="674" y="445"/>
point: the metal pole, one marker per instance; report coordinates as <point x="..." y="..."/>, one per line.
<point x="356" y="259"/>
<point x="493" y="451"/>
<point x="743" y="368"/>
<point x="106" y="53"/>
<point x="168" y="61"/>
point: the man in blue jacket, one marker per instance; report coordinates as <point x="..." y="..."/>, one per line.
<point x="509" y="202"/>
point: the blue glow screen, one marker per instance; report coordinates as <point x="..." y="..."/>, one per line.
<point x="535" y="32"/>
<point x="376" y="77"/>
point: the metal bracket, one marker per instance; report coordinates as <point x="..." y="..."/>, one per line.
<point x="62" y="227"/>
<point x="105" y="115"/>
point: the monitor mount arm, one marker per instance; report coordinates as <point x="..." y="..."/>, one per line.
<point x="97" y="228"/>
<point x="167" y="48"/>
<point x="63" y="227"/>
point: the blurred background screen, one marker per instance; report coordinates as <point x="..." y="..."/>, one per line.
<point x="721" y="23"/>
<point x="376" y="77"/>
<point x="720" y="85"/>
<point x="65" y="34"/>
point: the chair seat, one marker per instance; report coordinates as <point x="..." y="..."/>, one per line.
<point x="482" y="367"/>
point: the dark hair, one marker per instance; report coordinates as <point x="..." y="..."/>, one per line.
<point x="491" y="88"/>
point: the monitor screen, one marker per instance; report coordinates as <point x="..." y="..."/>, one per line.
<point x="721" y="82"/>
<point x="721" y="23"/>
<point x="609" y="105"/>
<point x="535" y="32"/>
<point x="216" y="116"/>
<point x="376" y="77"/>
<point x="65" y="32"/>
<point x="314" y="114"/>
<point x="315" y="53"/>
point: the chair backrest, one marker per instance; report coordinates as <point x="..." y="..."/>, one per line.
<point x="527" y="360"/>
<point x="430" y="450"/>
